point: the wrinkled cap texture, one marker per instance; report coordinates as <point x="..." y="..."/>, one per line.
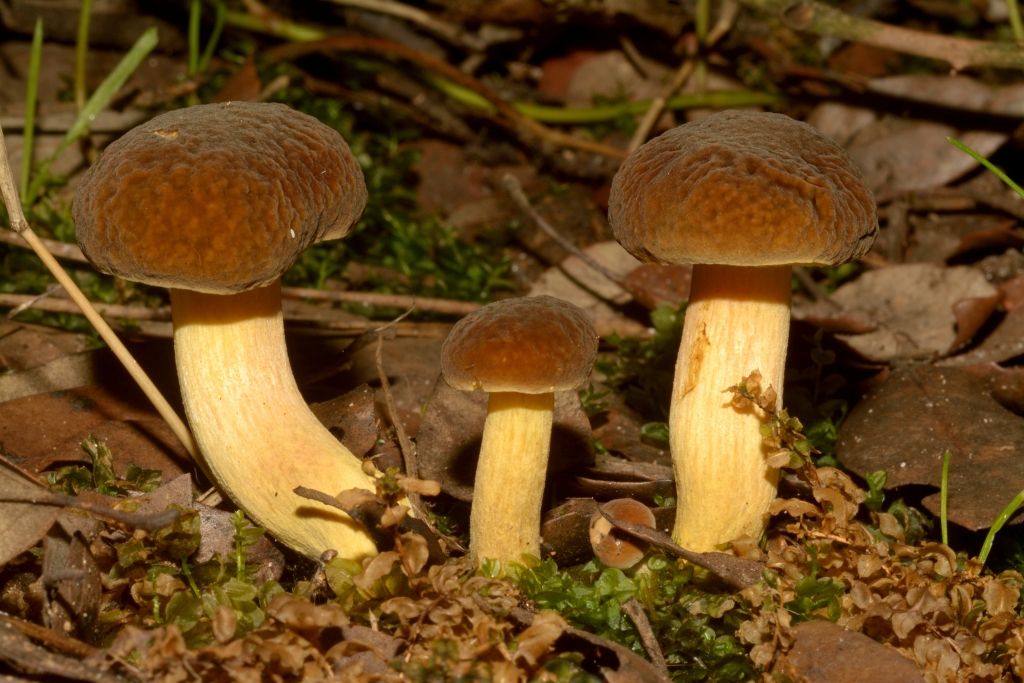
<point x="530" y="345"/>
<point x="745" y="189"/>
<point x="217" y="198"/>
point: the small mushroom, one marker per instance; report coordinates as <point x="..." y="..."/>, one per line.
<point x="215" y="202"/>
<point x="612" y="547"/>
<point x="519" y="351"/>
<point x="743" y="196"/>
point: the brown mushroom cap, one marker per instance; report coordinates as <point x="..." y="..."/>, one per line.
<point x="742" y="188"/>
<point x="610" y="545"/>
<point x="529" y="345"/>
<point x="217" y="198"/>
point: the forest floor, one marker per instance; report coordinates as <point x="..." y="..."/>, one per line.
<point x="488" y="134"/>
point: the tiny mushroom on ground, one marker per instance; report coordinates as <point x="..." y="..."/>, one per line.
<point x="519" y="351"/>
<point x="215" y="201"/>
<point x="743" y="196"/>
<point x="612" y="547"/>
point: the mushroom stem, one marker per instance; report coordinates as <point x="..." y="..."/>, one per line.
<point x="737" y="322"/>
<point x="255" y="430"/>
<point x="504" y="522"/>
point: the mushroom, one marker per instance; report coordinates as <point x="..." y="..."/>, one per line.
<point x="743" y="196"/>
<point x="519" y="351"/>
<point x="613" y="548"/>
<point x="216" y="201"/>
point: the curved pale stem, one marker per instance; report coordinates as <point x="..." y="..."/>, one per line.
<point x="256" y="432"/>
<point x="737" y="322"/>
<point x="504" y="522"/>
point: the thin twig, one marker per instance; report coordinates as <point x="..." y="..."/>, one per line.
<point x="654" y="112"/>
<point x="635" y="611"/>
<point x="21" y="226"/>
<point x="823" y="20"/>
<point x="442" y="29"/>
<point x="515" y="192"/>
<point x="507" y="114"/>
<point x="408" y="454"/>
<point x="404" y="301"/>
<point x="71" y="252"/>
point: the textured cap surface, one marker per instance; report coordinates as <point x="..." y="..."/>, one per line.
<point x="742" y="188"/>
<point x="218" y="198"/>
<point x="531" y="345"/>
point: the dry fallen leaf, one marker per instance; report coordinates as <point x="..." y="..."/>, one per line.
<point x="904" y="425"/>
<point x="22" y="524"/>
<point x="824" y="652"/>
<point x="912" y="308"/>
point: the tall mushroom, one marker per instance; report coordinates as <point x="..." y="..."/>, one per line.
<point x="743" y="196"/>
<point x="215" y="201"/>
<point x="519" y="351"/>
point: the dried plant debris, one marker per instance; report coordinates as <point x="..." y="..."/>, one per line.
<point x="831" y="556"/>
<point x="932" y="606"/>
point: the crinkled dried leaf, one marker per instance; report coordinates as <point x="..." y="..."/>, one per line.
<point x="539" y="637"/>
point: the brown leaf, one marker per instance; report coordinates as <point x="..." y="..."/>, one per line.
<point x="576" y="282"/>
<point x="22" y="525"/>
<point x="904" y="425"/>
<point x="910" y="305"/>
<point x="24" y="346"/>
<point x="659" y="284"/>
<point x="619" y="431"/>
<point x="1006" y="341"/>
<point x="69" y="566"/>
<point x="824" y="652"/>
<point x="61" y="420"/>
<point x="352" y="418"/>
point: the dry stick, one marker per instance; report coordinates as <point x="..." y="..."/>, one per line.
<point x="650" y="117"/>
<point x="403" y="301"/>
<point x="517" y="122"/>
<point x="635" y="611"/>
<point x="408" y="455"/>
<point x="722" y="26"/>
<point x="39" y="302"/>
<point x="71" y="252"/>
<point x="449" y="32"/>
<point x="822" y="20"/>
<point x="21" y="226"/>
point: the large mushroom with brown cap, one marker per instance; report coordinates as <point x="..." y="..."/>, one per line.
<point x="520" y="351"/>
<point x="743" y="196"/>
<point x="215" y="201"/>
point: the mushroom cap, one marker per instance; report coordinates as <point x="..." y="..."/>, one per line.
<point x="742" y="188"/>
<point x="614" y="548"/>
<point x="217" y="198"/>
<point x="529" y="345"/>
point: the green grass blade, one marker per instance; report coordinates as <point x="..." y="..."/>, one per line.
<point x="31" y="99"/>
<point x="195" y="11"/>
<point x="218" y="27"/>
<point x="987" y="164"/>
<point x="944" y="496"/>
<point x="81" y="51"/>
<point x="109" y="87"/>
<point x="1001" y="519"/>
<point x="1016" y="27"/>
